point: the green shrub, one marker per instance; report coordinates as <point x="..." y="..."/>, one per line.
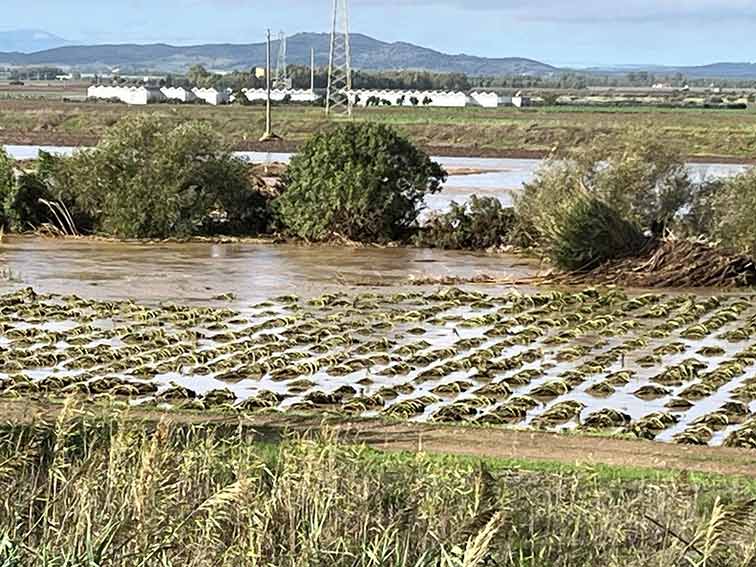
<point x="361" y="181"/>
<point x="645" y="181"/>
<point x="148" y="180"/>
<point x="584" y="232"/>
<point x="24" y="208"/>
<point x="7" y="181"/>
<point x="732" y="207"/>
<point x="480" y="223"/>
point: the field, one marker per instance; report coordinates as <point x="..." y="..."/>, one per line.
<point x="506" y="132"/>
<point x="674" y="368"/>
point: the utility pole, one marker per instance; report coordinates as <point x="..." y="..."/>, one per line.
<point x="312" y="69"/>
<point x="339" y="96"/>
<point x="269" y="135"/>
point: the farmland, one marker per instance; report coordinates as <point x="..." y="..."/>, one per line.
<point x="506" y="132"/>
<point x="654" y="366"/>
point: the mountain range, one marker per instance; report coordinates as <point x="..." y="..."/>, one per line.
<point x="367" y="53"/>
<point x="35" y="47"/>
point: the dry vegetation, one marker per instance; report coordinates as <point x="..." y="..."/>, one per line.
<point x="453" y="131"/>
<point x="86" y="492"/>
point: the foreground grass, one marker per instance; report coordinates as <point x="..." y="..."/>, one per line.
<point x="730" y="133"/>
<point x="89" y="491"/>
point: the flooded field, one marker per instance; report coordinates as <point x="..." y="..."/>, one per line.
<point x="669" y="367"/>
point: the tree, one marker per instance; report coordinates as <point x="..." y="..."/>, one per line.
<point x="198" y="75"/>
<point x="363" y="181"/>
<point x="7" y="182"/>
<point x="148" y="180"/>
<point x="414" y="101"/>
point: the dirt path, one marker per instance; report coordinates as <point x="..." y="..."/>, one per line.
<point x="476" y="442"/>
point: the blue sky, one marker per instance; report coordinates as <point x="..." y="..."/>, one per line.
<point x="560" y="32"/>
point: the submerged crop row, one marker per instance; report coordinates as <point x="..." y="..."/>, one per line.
<point x="669" y="367"/>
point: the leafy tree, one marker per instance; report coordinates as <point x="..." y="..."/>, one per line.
<point x="7" y="182"/>
<point x="363" y="181"/>
<point x="148" y="180"/>
<point x="414" y="101"/>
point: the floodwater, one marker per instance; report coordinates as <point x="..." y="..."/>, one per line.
<point x="498" y="177"/>
<point x="195" y="272"/>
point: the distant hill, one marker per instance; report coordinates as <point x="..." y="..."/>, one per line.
<point x="29" y="41"/>
<point x="367" y="53"/>
<point x="712" y="71"/>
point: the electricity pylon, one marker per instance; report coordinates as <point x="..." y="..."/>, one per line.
<point x="338" y="98"/>
<point x="281" y="81"/>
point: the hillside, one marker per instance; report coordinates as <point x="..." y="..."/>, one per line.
<point x="367" y="53"/>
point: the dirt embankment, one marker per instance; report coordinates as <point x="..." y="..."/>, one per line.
<point x="497" y="443"/>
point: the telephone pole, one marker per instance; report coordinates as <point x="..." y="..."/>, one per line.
<point x="339" y="95"/>
<point x="312" y="69"/>
<point x="268" y="135"/>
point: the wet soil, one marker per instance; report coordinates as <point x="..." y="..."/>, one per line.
<point x="452" y="440"/>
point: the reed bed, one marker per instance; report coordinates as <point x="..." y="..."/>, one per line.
<point x="91" y="491"/>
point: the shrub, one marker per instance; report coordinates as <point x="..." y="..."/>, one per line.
<point x="7" y="181"/>
<point x="584" y="232"/>
<point x="732" y="207"/>
<point x="147" y="180"/>
<point x="480" y="223"/>
<point x="23" y="204"/>
<point x="645" y="181"/>
<point x="362" y="181"/>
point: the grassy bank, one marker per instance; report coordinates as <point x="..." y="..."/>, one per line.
<point x="88" y="491"/>
<point x="470" y="131"/>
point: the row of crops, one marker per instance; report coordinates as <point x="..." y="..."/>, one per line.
<point x="672" y="367"/>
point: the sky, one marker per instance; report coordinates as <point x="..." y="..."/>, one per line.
<point x="560" y="32"/>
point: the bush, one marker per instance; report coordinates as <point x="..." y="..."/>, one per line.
<point x="23" y="204"/>
<point x="478" y="224"/>
<point x="148" y="180"/>
<point x="645" y="181"/>
<point x="361" y="181"/>
<point x="731" y="220"/>
<point x="584" y="232"/>
<point x="7" y="181"/>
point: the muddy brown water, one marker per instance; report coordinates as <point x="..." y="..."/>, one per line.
<point x="196" y="272"/>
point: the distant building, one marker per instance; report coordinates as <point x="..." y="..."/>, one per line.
<point x="440" y="99"/>
<point x="212" y="96"/>
<point x="520" y="100"/>
<point x="485" y="99"/>
<point x="278" y="95"/>
<point x="178" y="93"/>
<point x="259" y="72"/>
<point x="129" y="95"/>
